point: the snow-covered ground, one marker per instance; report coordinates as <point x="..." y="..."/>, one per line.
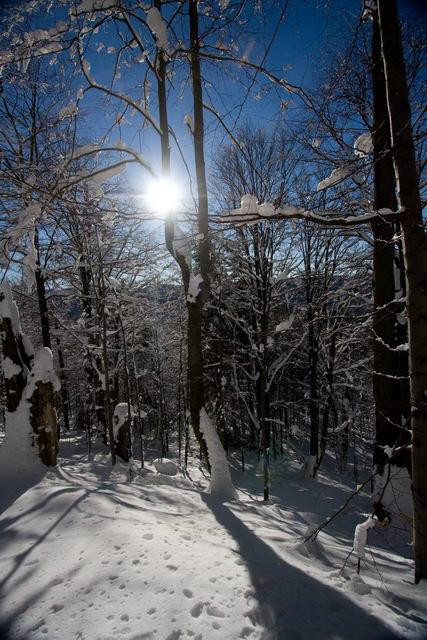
<point x="84" y="555"/>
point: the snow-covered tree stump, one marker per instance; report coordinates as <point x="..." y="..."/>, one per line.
<point x="30" y="381"/>
<point x="122" y="431"/>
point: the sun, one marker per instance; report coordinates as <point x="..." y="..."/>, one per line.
<point x="163" y="196"/>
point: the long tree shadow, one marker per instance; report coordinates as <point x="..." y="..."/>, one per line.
<point x="21" y="557"/>
<point x="292" y="605"/>
<point x="12" y="488"/>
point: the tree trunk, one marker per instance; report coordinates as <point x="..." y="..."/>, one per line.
<point x="390" y="395"/>
<point x="64" y="389"/>
<point x="44" y="422"/>
<point x="415" y="257"/>
<point x="41" y="297"/>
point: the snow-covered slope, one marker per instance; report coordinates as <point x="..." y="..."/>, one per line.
<point x="86" y="556"/>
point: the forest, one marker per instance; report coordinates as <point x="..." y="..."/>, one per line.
<point x="213" y="320"/>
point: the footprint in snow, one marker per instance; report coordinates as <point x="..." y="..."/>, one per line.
<point x="197" y="609"/>
<point x="211" y="610"/>
<point x="172" y="567"/>
<point x="188" y="593"/>
<point x="148" y="536"/>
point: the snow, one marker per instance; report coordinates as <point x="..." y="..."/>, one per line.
<point x="188" y="120"/>
<point x="103" y="175"/>
<point x="9" y="368"/>
<point x="266" y="210"/>
<point x="194" y="287"/>
<point x="120" y="415"/>
<point x="69" y="110"/>
<point x="165" y="466"/>
<point x="20" y="465"/>
<point x="221" y="486"/>
<point x="86" y="70"/>
<point x="248" y="205"/>
<point x="42" y="371"/>
<point x="363" y="145"/>
<point x="86" y="555"/>
<point x="337" y="175"/>
<point x="8" y="307"/>
<point x="361" y="536"/>
<point x="158" y="27"/>
<point x="78" y="152"/>
<point x="285" y="324"/>
<point x="88" y="6"/>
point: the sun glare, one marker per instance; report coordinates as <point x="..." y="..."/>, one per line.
<point x="163" y="196"/>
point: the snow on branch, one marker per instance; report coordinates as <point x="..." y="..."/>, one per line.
<point x="158" y="28"/>
<point x="337" y="176"/>
<point x="363" y="145"/>
<point x="250" y="212"/>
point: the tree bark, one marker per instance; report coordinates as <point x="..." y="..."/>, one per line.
<point x="390" y="395"/>
<point x="415" y="257"/>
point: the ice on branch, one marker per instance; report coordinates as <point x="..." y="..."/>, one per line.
<point x="337" y="176"/>
<point x="363" y="145"/>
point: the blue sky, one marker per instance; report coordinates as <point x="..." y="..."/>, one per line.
<point x="298" y="54"/>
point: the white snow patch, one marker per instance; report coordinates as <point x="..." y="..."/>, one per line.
<point x="194" y="287"/>
<point x="337" y="175"/>
<point x="285" y="324"/>
<point x="221" y="484"/>
<point x="363" y="145"/>
<point x="361" y="536"/>
<point x="9" y="368"/>
<point x="165" y="466"/>
<point x="42" y="371"/>
<point x="120" y="415"/>
<point x="158" y="27"/>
